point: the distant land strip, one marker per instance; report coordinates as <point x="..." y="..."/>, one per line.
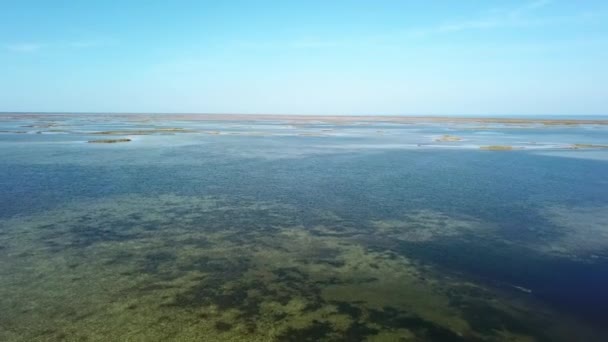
<point x="337" y="119"/>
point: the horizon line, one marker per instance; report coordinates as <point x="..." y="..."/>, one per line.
<point x="456" y="115"/>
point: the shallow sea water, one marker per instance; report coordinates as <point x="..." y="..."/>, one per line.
<point x="300" y="231"/>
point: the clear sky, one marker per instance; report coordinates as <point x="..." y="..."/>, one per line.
<point x="307" y="57"/>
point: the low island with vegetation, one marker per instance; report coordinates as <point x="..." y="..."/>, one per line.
<point x="497" y="148"/>
<point x="108" y="141"/>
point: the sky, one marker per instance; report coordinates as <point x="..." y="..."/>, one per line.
<point x="395" y="57"/>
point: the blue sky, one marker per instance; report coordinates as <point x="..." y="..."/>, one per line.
<point x="307" y="57"/>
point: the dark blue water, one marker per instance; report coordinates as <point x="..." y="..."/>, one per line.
<point x="506" y="189"/>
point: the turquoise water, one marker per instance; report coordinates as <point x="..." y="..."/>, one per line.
<point x="301" y="230"/>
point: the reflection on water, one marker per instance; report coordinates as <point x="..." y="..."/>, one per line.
<point x="187" y="238"/>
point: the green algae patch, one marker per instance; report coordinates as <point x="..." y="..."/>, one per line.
<point x="448" y="138"/>
<point x="497" y="148"/>
<point x="429" y="225"/>
<point x="108" y="141"/>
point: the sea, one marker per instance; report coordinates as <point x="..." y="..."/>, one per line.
<point x="136" y="227"/>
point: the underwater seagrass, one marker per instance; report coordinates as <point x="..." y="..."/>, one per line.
<point x="186" y="268"/>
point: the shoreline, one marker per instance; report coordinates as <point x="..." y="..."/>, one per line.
<point x="321" y="118"/>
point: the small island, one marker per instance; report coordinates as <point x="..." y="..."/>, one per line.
<point x="497" y="148"/>
<point x="448" y="138"/>
<point x="108" y="141"/>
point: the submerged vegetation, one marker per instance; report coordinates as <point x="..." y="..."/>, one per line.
<point x="184" y="268"/>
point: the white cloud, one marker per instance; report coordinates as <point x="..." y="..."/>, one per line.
<point x="520" y="16"/>
<point x="24" y="47"/>
<point x="90" y="43"/>
<point x="536" y="4"/>
<point x="83" y="44"/>
<point x="29" y="47"/>
<point x="526" y="15"/>
<point x="314" y="43"/>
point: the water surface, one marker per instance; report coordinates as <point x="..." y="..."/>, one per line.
<point x="290" y="230"/>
